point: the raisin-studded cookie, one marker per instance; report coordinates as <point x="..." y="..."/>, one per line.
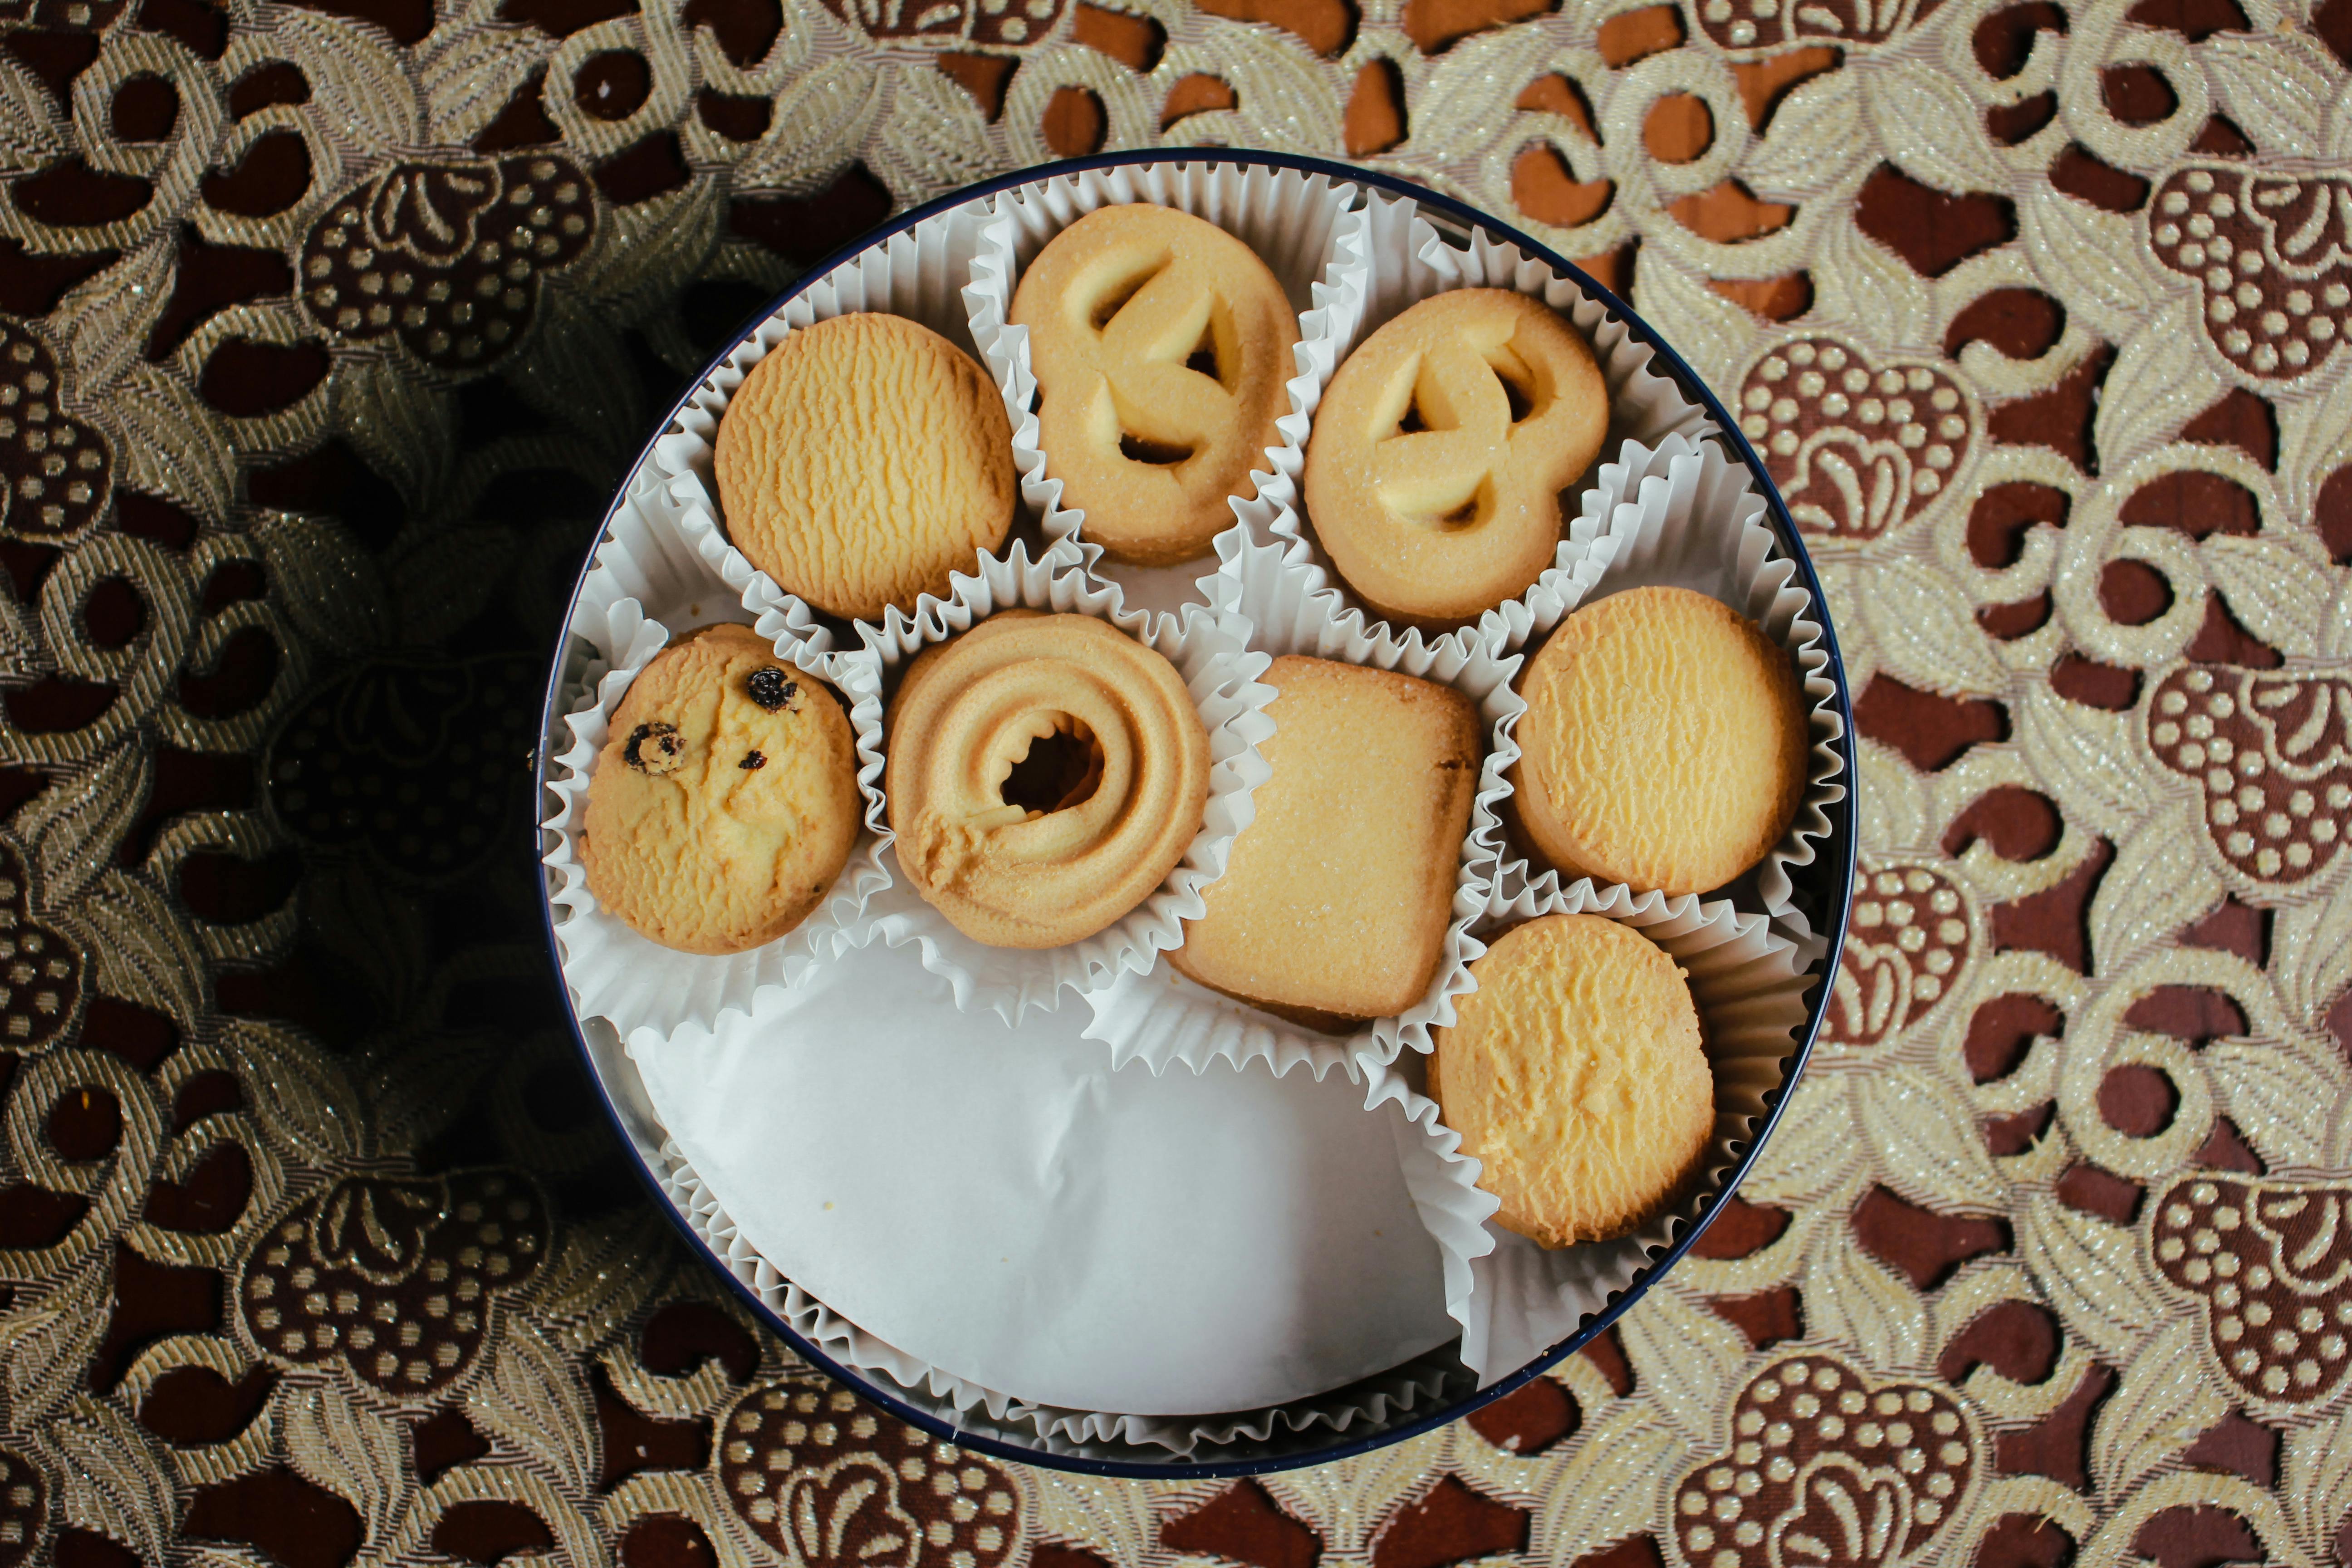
<point x="1161" y="346"/>
<point x="863" y="461"/>
<point x="1664" y="742"/>
<point x="1334" y="905"/>
<point x="725" y="801"/>
<point x="1434" y="473"/>
<point x="1047" y="772"/>
<point x="1576" y="1076"/>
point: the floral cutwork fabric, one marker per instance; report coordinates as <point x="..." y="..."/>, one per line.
<point x="40" y="967"/>
<point x="2271" y="755"/>
<point x="396" y="1279"/>
<point x="2274" y="256"/>
<point x="1829" y="1468"/>
<point x="1761" y="24"/>
<point x="55" y="468"/>
<point x="447" y="258"/>
<point x="408" y="763"/>
<point x="1854" y="448"/>
<point x="2273" y="1266"/>
<point x="950" y="24"/>
<point x="1907" y="943"/>
<point x="823" y="1477"/>
<point x="325" y="333"/>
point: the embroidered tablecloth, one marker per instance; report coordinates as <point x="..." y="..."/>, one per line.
<point x="315" y="1248"/>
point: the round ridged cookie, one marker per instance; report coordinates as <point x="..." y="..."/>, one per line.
<point x="1162" y="349"/>
<point x="1577" y="1077"/>
<point x="1045" y="774"/>
<point x="1664" y="742"/>
<point x="1434" y="473"/>
<point x="863" y="461"/>
<point x="725" y="801"/>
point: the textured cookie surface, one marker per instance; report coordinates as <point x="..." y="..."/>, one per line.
<point x="1435" y="470"/>
<point x="1338" y="892"/>
<point x="1045" y="774"/>
<point x="1161" y="346"/>
<point x="1664" y="743"/>
<point x="725" y="801"/>
<point x="863" y="461"/>
<point x="1576" y="1076"/>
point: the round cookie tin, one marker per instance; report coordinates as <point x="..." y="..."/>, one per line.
<point x="1821" y="888"/>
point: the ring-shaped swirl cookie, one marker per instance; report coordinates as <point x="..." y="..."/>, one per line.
<point x="1434" y="472"/>
<point x="1161" y="345"/>
<point x="1075" y="851"/>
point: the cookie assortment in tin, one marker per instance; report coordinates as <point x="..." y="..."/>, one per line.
<point x="1085" y="1112"/>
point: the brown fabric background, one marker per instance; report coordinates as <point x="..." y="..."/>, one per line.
<point x="315" y="1250"/>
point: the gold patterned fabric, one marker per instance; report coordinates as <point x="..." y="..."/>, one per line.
<point x="325" y="331"/>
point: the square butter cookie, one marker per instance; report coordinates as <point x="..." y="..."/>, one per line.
<point x="1334" y="907"/>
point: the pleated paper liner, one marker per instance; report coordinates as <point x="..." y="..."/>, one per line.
<point x="654" y="579"/>
<point x="1210" y="652"/>
<point x="663" y="550"/>
<point x="1514" y="1298"/>
<point x="1161" y="1016"/>
<point x="1291" y="220"/>
<point x="1276" y="1213"/>
<point x="1391" y="258"/>
<point x="919" y="273"/>
<point x="1682" y="513"/>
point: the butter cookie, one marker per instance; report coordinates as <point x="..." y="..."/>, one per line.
<point x="863" y="460"/>
<point x="1162" y="349"/>
<point x="1434" y="472"/>
<point x="1664" y="743"/>
<point x="1045" y="774"/>
<point x="725" y="801"/>
<point x="1577" y="1077"/>
<point x="1334" y="905"/>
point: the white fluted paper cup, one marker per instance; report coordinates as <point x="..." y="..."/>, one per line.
<point x="1161" y="1016"/>
<point x="1290" y="219"/>
<point x="1211" y="654"/>
<point x="657" y="577"/>
<point x="919" y="273"/>
<point x="1391" y="258"/>
<point x="1514" y="1299"/>
<point x="1683" y="514"/>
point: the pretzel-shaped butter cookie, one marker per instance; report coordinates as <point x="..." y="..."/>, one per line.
<point x="1434" y="471"/>
<point x="1161" y="346"/>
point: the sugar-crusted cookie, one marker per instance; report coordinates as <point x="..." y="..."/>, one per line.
<point x="1576" y="1074"/>
<point x="1438" y="456"/>
<point x="1334" y="905"/>
<point x="1161" y="346"/>
<point x="863" y="461"/>
<point x="1664" y="743"/>
<point x="725" y="801"/>
<point x="1045" y="774"/>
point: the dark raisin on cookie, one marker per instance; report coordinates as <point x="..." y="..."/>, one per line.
<point x="656" y="748"/>
<point x="752" y="760"/>
<point x="770" y="689"/>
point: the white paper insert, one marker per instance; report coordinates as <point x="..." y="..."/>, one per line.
<point x="1091" y="1237"/>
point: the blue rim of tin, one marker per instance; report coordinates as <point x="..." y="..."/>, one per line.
<point x="1832" y="869"/>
